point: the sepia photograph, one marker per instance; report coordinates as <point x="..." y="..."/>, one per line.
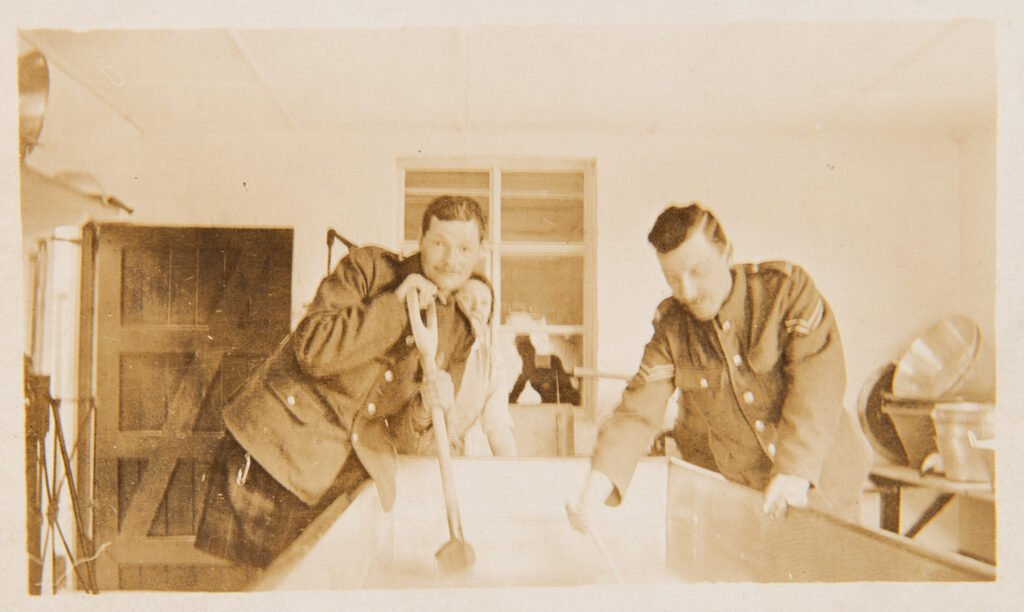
<point x="451" y="312"/>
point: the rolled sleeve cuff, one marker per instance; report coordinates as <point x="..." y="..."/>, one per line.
<point x="616" y="456"/>
<point x="787" y="464"/>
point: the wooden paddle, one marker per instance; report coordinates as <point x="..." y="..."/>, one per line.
<point x="456" y="555"/>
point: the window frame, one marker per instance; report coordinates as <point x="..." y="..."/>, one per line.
<point x="494" y="247"/>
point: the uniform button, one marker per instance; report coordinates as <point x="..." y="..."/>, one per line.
<point x="748" y="397"/>
<point x="759" y="426"/>
<point x="371" y="408"/>
<point x="355" y="438"/>
<point x="290" y="399"/>
<point x="388" y="376"/>
<point x="771" y="451"/>
<point x="410" y="340"/>
<point x="737" y="359"/>
<point x="704" y="383"/>
<point x="726" y="325"/>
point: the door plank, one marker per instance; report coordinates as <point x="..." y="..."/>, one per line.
<point x="185" y="407"/>
<point x="184" y="283"/>
<point x="180" y="501"/>
<point x="189" y="397"/>
<point x="142" y="444"/>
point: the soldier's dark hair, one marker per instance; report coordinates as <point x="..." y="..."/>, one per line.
<point x="454" y="208"/>
<point x="677" y="223"/>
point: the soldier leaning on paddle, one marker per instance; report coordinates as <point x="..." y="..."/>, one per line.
<point x="347" y="379"/>
<point x="755" y="353"/>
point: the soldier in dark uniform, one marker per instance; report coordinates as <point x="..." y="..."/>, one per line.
<point x="328" y="407"/>
<point x="755" y="353"/>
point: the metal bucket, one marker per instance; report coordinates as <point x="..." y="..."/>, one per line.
<point x="959" y="427"/>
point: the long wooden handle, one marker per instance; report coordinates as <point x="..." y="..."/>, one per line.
<point x="444" y="459"/>
<point x="586" y="373"/>
<point x="607" y="557"/>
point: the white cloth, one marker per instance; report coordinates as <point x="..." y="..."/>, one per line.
<point x="481" y="403"/>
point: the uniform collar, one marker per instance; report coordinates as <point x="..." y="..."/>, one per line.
<point x="412" y="264"/>
<point x="734" y="309"/>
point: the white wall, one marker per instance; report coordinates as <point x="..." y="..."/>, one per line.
<point x="978" y="228"/>
<point x="879" y="219"/>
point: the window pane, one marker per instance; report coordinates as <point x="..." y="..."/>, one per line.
<point x="542" y="206"/>
<point x="443" y="181"/>
<point x="422" y="186"/>
<point x="547" y="287"/>
<point x="538" y="366"/>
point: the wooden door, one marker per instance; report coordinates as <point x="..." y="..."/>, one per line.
<point x="182" y="315"/>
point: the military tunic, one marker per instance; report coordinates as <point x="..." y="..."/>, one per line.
<point x="760" y="391"/>
<point x="342" y="390"/>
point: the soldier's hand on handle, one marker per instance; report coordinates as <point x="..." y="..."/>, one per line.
<point x="578" y="516"/>
<point x="426" y="335"/>
<point x="437" y="389"/>
<point x="595" y="492"/>
<point x="424" y="289"/>
<point x="783" y="491"/>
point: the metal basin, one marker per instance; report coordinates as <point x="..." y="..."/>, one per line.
<point x="678" y="524"/>
<point x="937" y="362"/>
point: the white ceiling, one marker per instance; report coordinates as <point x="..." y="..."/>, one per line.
<point x="935" y="75"/>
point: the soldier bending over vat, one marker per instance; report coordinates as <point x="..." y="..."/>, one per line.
<point x="755" y="353"/>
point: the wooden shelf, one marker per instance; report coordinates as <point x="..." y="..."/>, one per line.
<point x="910" y="476"/>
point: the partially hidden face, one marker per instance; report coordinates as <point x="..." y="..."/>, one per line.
<point x="699" y="274"/>
<point x="475" y="300"/>
<point x="449" y="250"/>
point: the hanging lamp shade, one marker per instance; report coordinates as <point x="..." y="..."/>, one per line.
<point x="33" y="88"/>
